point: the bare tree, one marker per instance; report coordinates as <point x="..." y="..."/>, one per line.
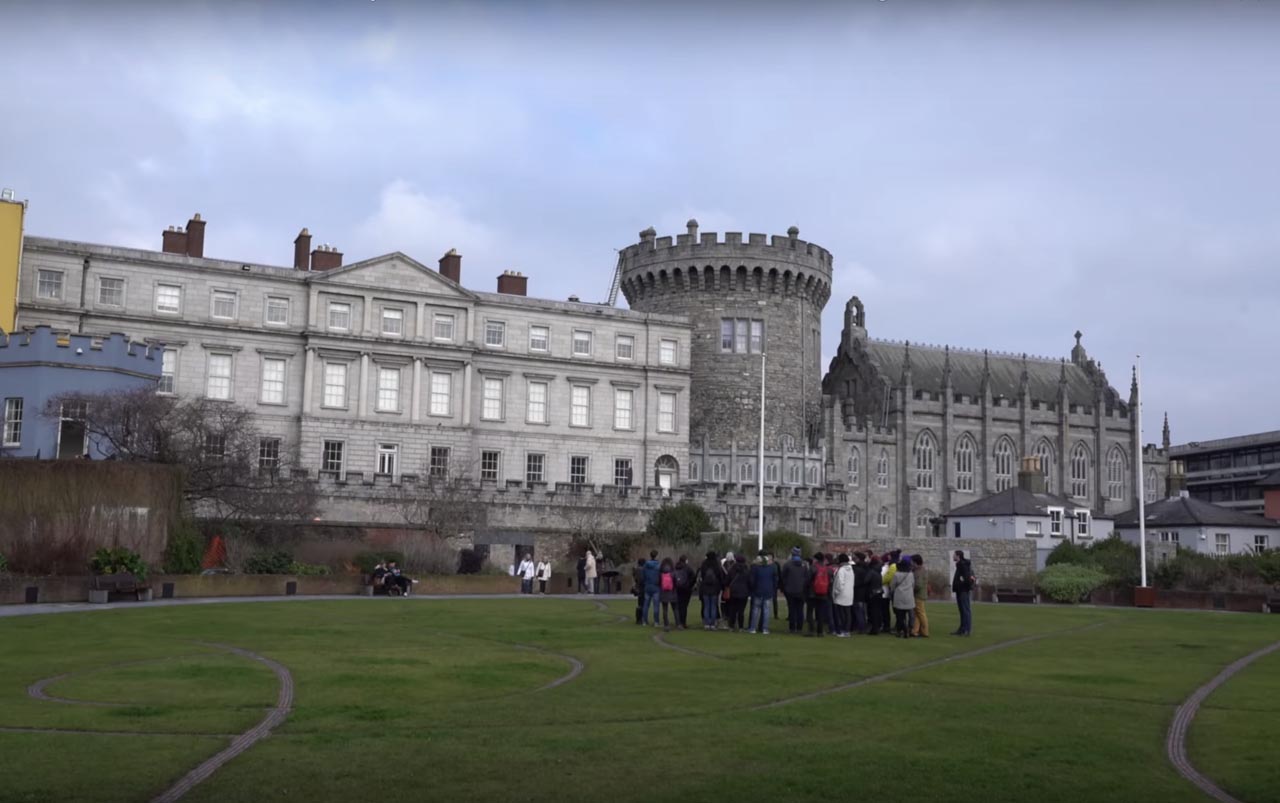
<point x="443" y="504"/>
<point x="231" y="470"/>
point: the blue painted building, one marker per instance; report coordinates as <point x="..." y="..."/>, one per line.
<point x="40" y="364"/>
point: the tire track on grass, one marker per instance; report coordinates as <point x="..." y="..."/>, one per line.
<point x="1002" y="645"/>
<point x="661" y="640"/>
<point x="1176" y="743"/>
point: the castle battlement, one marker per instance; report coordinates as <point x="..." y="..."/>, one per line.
<point x="697" y="247"/>
<point x="44" y="344"/>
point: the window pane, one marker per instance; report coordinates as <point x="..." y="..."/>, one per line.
<point x="490" y="465"/>
<point x="278" y="311"/>
<point x="580" y="406"/>
<point x="389" y="389"/>
<point x="667" y="352"/>
<point x="740" y="336"/>
<point x="726" y="334"/>
<point x="491" y="409"/>
<point x="441" y="391"/>
<point x="539" y="338"/>
<point x="666" y="412"/>
<point x="625" y="347"/>
<point x="757" y="337"/>
<point x="537" y="408"/>
<point x="393" y="322"/>
<point x="581" y="343"/>
<point x="168" y="371"/>
<point x="13" y="422"/>
<point x="331" y="457"/>
<point x="49" y="284"/>
<point x="533" y="468"/>
<point x="224" y="304"/>
<point x="111" y="292"/>
<point x="335" y="385"/>
<point x="218" y="385"/>
<point x="339" y="316"/>
<point x="623" y="401"/>
<point x="273" y="381"/>
<point x="495" y="334"/>
<point x="443" y="327"/>
<point x="168" y="298"/>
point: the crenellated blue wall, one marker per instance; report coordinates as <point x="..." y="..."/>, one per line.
<point x="39" y="364"/>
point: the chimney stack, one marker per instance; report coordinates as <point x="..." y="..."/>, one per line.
<point x="173" y="241"/>
<point x="1031" y="477"/>
<point x="451" y="266"/>
<point x="1176" y="482"/>
<point x="195" y="236"/>
<point x="302" y="251"/>
<point x="326" y="257"/>
<point x="513" y="283"/>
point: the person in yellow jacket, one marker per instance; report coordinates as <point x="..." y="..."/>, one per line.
<point x="887" y="572"/>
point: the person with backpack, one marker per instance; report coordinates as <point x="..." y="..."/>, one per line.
<point x="710" y="584"/>
<point x="819" y="595"/>
<point x="962" y="584"/>
<point x="739" y="592"/>
<point x="842" y="596"/>
<point x="795" y="581"/>
<point x="763" y="585"/>
<point x="652" y="575"/>
<point x="902" y="588"/>
<point x="684" y="578"/>
<point x="920" y="626"/>
<point x="860" y="587"/>
<point x="667" y="594"/>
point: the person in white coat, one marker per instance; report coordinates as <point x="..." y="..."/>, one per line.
<point x="591" y="576"/>
<point x="842" y="596"/>
<point x="543" y="574"/>
<point x="526" y="570"/>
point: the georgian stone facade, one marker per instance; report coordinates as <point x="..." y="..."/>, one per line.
<point x="386" y="367"/>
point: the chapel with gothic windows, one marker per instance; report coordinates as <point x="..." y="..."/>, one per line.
<point x="921" y="429"/>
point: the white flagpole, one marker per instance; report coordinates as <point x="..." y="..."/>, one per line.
<point x="760" y="464"/>
<point x="1138" y="488"/>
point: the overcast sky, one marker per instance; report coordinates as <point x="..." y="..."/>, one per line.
<point x="989" y="175"/>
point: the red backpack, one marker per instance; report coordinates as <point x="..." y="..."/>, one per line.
<point x="668" y="582"/>
<point x="822" y="582"/>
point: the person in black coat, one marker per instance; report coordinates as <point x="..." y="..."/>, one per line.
<point x="962" y="584"/>
<point x="874" y="596"/>
<point x="685" y="579"/>
<point x="739" y="578"/>
<point x="860" y="587"/>
<point x="711" y="580"/>
<point x="795" y="581"/>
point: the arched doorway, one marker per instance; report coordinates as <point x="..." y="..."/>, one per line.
<point x="666" y="472"/>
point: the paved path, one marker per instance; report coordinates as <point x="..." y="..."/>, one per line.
<point x="1176" y="744"/>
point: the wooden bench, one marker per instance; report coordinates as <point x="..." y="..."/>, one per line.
<point x="1015" y="594"/>
<point x="104" y="585"/>
<point x="374" y="589"/>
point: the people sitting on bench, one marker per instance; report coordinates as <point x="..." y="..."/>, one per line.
<point x="395" y="578"/>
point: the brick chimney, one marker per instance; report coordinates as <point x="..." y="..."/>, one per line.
<point x="1031" y="477"/>
<point x="326" y="257"/>
<point x="173" y="241"/>
<point x="302" y="251"/>
<point x="195" y="236"/>
<point x="513" y="283"/>
<point x="451" y="266"/>
<point x="1176" y="482"/>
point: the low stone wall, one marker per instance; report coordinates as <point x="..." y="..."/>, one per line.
<point x="995" y="561"/>
<point x="14" y="590"/>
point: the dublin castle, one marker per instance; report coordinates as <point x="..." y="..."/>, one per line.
<point x="386" y="371"/>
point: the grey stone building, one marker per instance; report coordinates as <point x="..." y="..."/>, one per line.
<point x="386" y="368"/>
<point x="748" y="301"/>
<point x="919" y="430"/>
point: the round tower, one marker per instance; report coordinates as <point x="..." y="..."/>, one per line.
<point x="743" y="297"/>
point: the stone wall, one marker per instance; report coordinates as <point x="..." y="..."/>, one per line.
<point x="995" y="562"/>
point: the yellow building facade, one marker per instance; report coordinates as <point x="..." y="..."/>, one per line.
<point x="11" y="215"/>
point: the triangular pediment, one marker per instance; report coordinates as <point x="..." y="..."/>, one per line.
<point x="395" y="272"/>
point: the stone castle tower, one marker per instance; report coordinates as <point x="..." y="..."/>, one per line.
<point x="743" y="297"/>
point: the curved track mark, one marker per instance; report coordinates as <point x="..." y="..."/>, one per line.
<point x="575" y="666"/>
<point x="36" y="691"/>
<point x="661" y="640"/>
<point x="1176" y="743"/>
<point x="617" y="618"/>
<point x="917" y="667"/>
<point x="284" y="703"/>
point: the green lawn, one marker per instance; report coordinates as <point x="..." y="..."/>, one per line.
<point x="436" y="695"/>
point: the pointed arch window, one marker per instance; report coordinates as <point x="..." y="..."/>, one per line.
<point x="924" y="520"/>
<point x="719" y="472"/>
<point x="812" y="475"/>
<point x="964" y="464"/>
<point x="1152" y="489"/>
<point x="1045" y="452"/>
<point x="1080" y="471"/>
<point x="923" y="455"/>
<point x="882" y="518"/>
<point x="1003" y="458"/>
<point x="882" y="469"/>
<point x="1116" y="472"/>
<point x="771" y="472"/>
<point x="855" y="516"/>
<point x="855" y="467"/>
<point x="793" y="474"/>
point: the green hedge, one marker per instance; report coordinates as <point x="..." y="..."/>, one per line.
<point x="1067" y="582"/>
<point x="1116" y="559"/>
<point x="118" y="560"/>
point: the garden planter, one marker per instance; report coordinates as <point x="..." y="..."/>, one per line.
<point x="1144" y="596"/>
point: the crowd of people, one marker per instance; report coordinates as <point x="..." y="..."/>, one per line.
<point x="841" y="594"/>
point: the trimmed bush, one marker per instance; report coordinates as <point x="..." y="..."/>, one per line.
<point x="779" y="543"/>
<point x="1192" y="571"/>
<point x="1066" y="582"/>
<point x="308" y="569"/>
<point x="185" y="548"/>
<point x="1114" y="557"/>
<point x="118" y="560"/>
<point x="678" y="524"/>
<point x="1068" y="552"/>
<point x="276" y="561"/>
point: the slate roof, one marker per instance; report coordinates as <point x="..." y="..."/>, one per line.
<point x="1016" y="502"/>
<point x="967" y="367"/>
<point x="1272" y="480"/>
<point x="1187" y="511"/>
